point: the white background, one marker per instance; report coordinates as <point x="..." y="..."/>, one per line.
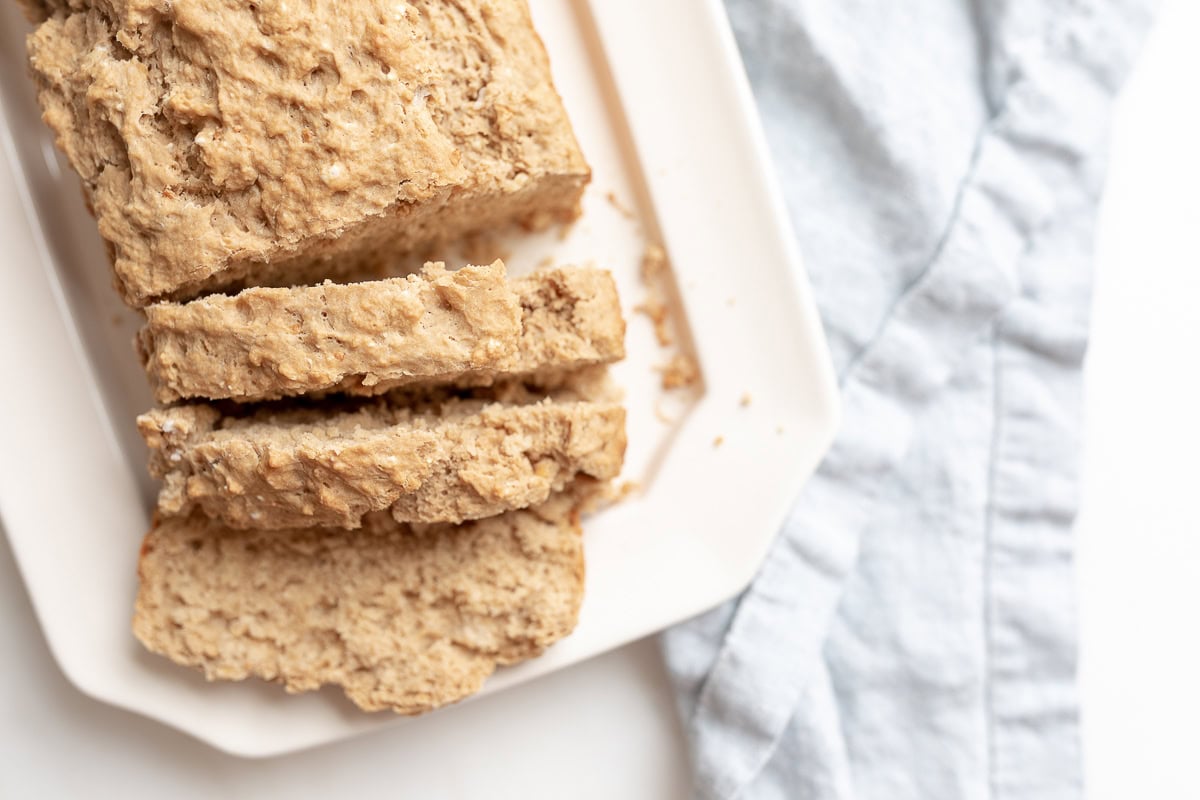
<point x="606" y="728"/>
<point x="1139" y="531"/>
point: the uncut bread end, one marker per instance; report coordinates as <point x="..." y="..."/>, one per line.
<point x="227" y="144"/>
<point x="263" y="344"/>
<point x="407" y="618"/>
<point x="463" y="459"/>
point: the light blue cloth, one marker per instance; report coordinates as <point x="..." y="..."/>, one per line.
<point x="912" y="633"/>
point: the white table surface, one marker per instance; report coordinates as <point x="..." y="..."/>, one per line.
<point x="606" y="728"/>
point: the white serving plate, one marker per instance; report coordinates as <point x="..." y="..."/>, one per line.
<point x="661" y="105"/>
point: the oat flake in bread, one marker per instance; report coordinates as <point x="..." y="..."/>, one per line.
<point x="224" y="144"/>
<point x="402" y="617"/>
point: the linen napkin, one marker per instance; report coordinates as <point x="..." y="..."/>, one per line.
<point x="912" y="632"/>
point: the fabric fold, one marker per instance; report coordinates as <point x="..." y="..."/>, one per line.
<point x="941" y="637"/>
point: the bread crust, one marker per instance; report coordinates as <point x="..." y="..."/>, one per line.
<point x="228" y="144"/>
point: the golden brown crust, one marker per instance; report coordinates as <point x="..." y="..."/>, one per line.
<point x="225" y="143"/>
<point x="462" y="460"/>
<point x="402" y="617"/>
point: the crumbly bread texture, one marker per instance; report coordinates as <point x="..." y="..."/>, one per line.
<point x="268" y="343"/>
<point x="462" y="459"/>
<point x="465" y="327"/>
<point x="228" y="144"/>
<point x="570" y="319"/>
<point x="402" y="617"/>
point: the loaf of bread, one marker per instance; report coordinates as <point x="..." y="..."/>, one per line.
<point x="371" y="483"/>
<point x="402" y="617"/>
<point x="230" y="144"/>
<point x="459" y="460"/>
<point x="465" y="327"/>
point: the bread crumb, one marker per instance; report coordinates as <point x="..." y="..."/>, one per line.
<point x="546" y="263"/>
<point x="654" y="267"/>
<point x="731" y="302"/>
<point x="746" y="400"/>
<point x="681" y="371"/>
<point x="779" y="430"/>
<point x="662" y="416"/>
<point x="621" y="208"/>
<point x="717" y="442"/>
<point x="654" y="262"/>
<point x="656" y="310"/>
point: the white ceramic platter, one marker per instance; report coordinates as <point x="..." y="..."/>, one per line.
<point x="661" y="105"/>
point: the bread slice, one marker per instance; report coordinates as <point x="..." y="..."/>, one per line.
<point x="402" y="617"/>
<point x="465" y="327"/>
<point x="231" y="144"/>
<point x="459" y="459"/>
<point x="268" y="343"/>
